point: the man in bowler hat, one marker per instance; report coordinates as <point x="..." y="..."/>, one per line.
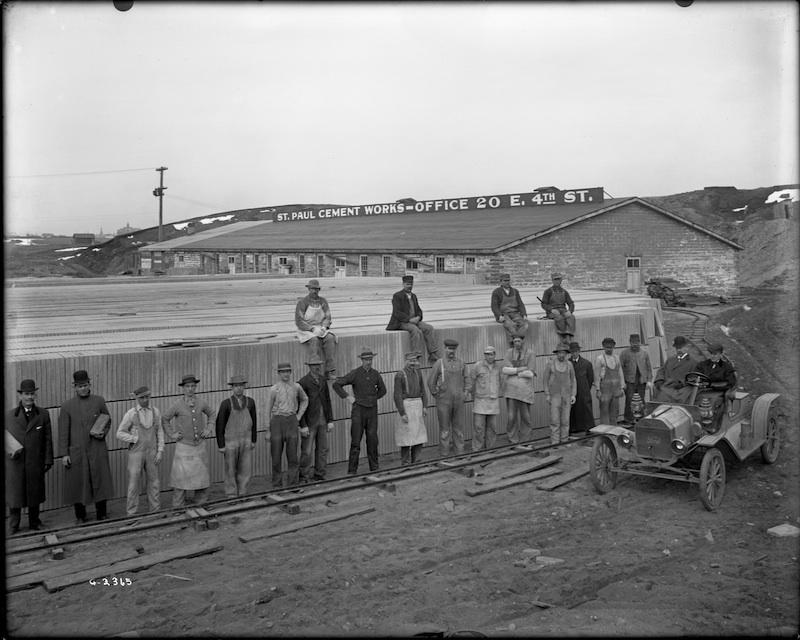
<point x="29" y="457"/>
<point x="83" y="423"/>
<point x="670" y="381"/>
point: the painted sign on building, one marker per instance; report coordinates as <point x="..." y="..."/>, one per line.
<point x="505" y="201"/>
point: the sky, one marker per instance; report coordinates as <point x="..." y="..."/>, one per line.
<point x="253" y="104"/>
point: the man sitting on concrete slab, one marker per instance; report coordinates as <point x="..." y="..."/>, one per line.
<point x="559" y="306"/>
<point x="407" y="315"/>
<point x="509" y="309"/>
<point x="312" y="315"/>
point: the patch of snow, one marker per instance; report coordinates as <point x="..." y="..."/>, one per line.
<point x="96" y="249"/>
<point x="747" y="307"/>
<point x="784" y="195"/>
<point x="744" y="208"/>
<point x="22" y="242"/>
<point x="67" y="258"/>
<point x="220" y="218"/>
<point x="724" y="329"/>
<point x="180" y="225"/>
<point x="70" y="249"/>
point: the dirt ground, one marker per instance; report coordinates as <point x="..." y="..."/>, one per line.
<point x="646" y="559"/>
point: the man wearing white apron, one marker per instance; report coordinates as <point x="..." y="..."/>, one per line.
<point x="410" y="399"/>
<point x="312" y="315"/>
<point x="189" y="421"/>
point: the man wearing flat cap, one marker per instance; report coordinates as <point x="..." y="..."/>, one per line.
<point x="83" y="424"/>
<point x="509" y="309"/>
<point x="407" y="316"/>
<point x="485" y="388"/>
<point x="560" y="388"/>
<point x="189" y="421"/>
<point x="286" y="405"/>
<point x="670" y="381"/>
<point x="318" y="420"/>
<point x="142" y="431"/>
<point x="368" y="388"/>
<point x="236" y="427"/>
<point x="29" y="456"/>
<point x="518" y="374"/>
<point x="312" y="315"/>
<point x="448" y="381"/>
<point x="410" y="398"/>
<point x="637" y="371"/>
<point x="559" y="306"/>
<point x="610" y="382"/>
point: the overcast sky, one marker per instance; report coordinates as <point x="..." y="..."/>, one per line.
<point x="259" y="104"/>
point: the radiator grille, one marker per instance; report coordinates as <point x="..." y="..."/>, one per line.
<point x="653" y="440"/>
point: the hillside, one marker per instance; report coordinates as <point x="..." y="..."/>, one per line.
<point x="770" y="255"/>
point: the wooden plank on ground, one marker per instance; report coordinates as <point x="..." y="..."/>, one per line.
<point x="510" y="482"/>
<point x="541" y="463"/>
<point x="134" y="564"/>
<point x="304" y="524"/>
<point x="554" y="483"/>
<point x="24" y="581"/>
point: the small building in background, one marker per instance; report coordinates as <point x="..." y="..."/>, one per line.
<point x="83" y="239"/>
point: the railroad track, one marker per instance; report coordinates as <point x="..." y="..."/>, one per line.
<point x="177" y="518"/>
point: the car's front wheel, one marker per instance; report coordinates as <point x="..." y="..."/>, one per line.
<point x="601" y="464"/>
<point x="712" y="479"/>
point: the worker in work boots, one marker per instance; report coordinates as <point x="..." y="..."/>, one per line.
<point x="236" y="437"/>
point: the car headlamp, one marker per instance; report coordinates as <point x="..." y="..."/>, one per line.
<point x="678" y="446"/>
<point x="625" y="440"/>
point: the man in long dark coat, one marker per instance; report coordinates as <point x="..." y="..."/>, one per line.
<point x="581" y="415"/>
<point x="87" y="473"/>
<point x="29" y="426"/>
<point x="670" y="381"/>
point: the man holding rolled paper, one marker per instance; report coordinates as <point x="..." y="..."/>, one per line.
<point x="29" y="455"/>
<point x="83" y="424"/>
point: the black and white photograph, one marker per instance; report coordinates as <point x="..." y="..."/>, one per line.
<point x="401" y="319"/>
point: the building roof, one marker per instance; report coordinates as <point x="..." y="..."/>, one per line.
<point x="476" y="231"/>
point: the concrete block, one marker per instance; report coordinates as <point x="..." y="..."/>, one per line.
<point x="784" y="531"/>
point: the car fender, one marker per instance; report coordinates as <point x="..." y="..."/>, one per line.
<point x="609" y="430"/>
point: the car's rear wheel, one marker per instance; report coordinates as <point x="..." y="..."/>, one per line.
<point x="765" y="420"/>
<point x="603" y="460"/>
<point x="712" y="479"/>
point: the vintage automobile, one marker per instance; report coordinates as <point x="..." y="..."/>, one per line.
<point x="689" y="442"/>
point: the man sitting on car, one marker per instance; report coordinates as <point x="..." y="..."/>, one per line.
<point x="720" y="372"/>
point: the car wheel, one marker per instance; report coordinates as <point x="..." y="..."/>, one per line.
<point x="604" y="458"/>
<point x="712" y="479"/>
<point x="765" y="420"/>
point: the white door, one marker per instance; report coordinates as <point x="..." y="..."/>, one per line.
<point x="340" y="269"/>
<point x="633" y="275"/>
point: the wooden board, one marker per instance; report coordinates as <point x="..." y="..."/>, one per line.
<point x="562" y="480"/>
<point x="304" y="524"/>
<point x="134" y="564"/>
<point x="543" y="462"/>
<point x="510" y="482"/>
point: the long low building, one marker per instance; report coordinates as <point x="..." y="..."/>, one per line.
<point x="615" y="244"/>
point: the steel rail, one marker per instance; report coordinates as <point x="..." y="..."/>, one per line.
<point x="34" y="541"/>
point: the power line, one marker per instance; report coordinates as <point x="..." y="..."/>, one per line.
<point x="81" y="173"/>
<point x="190" y="201"/>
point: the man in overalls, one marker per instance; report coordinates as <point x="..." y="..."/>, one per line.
<point x="560" y="388"/>
<point x="509" y="309"/>
<point x="610" y="382"/>
<point x="448" y="382"/>
<point x="485" y="387"/>
<point x="236" y="437"/>
<point x="559" y="306"/>
<point x="189" y="421"/>
<point x="312" y="315"/>
<point x="141" y="429"/>
<point x="410" y="399"/>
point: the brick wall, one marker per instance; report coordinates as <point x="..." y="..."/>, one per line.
<point x="592" y="254"/>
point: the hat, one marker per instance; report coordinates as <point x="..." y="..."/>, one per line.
<point x="635" y="337"/>
<point x="574" y="346"/>
<point x="412" y="354"/>
<point x="315" y="360"/>
<point x="144" y="390"/>
<point x="283" y="366"/>
<point x="237" y="380"/>
<point x="489" y="349"/>
<point x="562" y="347"/>
<point x="408" y="278"/>
<point x="679" y="341"/>
<point x="555" y="275"/>
<point x="189" y="378"/>
<point x="79" y="377"/>
<point x="27" y="386"/>
<point x="366" y="352"/>
<point x="450" y="342"/>
<point x="610" y="341"/>
<point x="313" y="284"/>
<point x="519" y="335"/>
<point x="505" y="276"/>
<point x="715" y="348"/>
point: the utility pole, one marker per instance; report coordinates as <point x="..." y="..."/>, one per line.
<point x="159" y="193"/>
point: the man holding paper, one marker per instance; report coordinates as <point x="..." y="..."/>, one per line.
<point x="83" y="424"/>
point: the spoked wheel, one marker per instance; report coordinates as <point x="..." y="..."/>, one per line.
<point x="712" y="479"/>
<point x="604" y="458"/>
<point x="765" y="420"/>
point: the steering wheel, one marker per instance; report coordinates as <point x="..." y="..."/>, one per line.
<point x="697" y="379"/>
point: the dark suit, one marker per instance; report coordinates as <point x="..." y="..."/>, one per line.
<point x="316" y="418"/>
<point x="25" y="486"/>
<point x="421" y="333"/>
